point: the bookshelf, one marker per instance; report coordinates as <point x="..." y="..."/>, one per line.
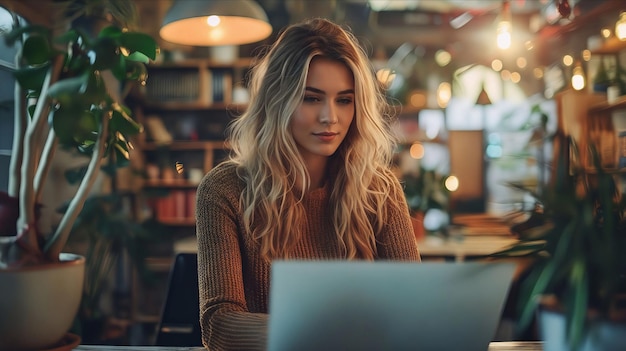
<point x="593" y="120"/>
<point x="185" y="107"/>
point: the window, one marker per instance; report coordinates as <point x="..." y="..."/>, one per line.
<point x="7" y="102"/>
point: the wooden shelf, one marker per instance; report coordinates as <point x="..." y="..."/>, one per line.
<point x="586" y="19"/>
<point x="178" y="222"/>
<point x="605" y="106"/>
<point x="193" y="106"/>
<point x="185" y="145"/>
<point x="242" y="62"/>
<point x="159" y="264"/>
<point x="146" y="318"/>
<point x="591" y="170"/>
<point x="612" y="46"/>
<point x="173" y="183"/>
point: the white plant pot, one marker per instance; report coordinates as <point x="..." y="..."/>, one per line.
<point x="600" y="336"/>
<point x="38" y="304"/>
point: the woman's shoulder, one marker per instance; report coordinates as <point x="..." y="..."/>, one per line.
<point x="222" y="176"/>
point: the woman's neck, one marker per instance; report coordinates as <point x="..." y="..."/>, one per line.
<point x="317" y="172"/>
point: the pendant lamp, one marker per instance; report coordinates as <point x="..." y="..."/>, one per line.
<point x="215" y="23"/>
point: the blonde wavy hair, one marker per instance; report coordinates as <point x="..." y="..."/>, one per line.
<point x="267" y="156"/>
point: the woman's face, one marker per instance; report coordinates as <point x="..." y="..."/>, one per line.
<point x="322" y="120"/>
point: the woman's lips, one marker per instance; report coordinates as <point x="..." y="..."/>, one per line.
<point x="326" y="136"/>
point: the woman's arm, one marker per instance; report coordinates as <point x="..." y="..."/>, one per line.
<point x="225" y="319"/>
<point x="397" y="240"/>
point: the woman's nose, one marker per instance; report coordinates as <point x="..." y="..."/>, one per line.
<point x="328" y="115"/>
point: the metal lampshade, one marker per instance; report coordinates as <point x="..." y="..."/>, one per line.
<point x="215" y="23"/>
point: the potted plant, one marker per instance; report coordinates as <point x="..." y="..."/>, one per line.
<point x="61" y="74"/>
<point x="104" y="233"/>
<point x="575" y="242"/>
<point x="424" y="190"/>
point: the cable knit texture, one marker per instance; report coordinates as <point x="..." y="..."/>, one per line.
<point x="234" y="278"/>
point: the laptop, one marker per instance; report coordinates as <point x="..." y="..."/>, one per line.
<point x="384" y="305"/>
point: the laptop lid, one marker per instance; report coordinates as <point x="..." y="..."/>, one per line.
<point x="357" y="305"/>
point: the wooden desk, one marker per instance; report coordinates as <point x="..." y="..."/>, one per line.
<point x="458" y="248"/>
<point x="494" y="346"/>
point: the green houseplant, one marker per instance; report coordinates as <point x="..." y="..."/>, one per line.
<point x="64" y="76"/>
<point x="575" y="241"/>
<point x="425" y="190"/>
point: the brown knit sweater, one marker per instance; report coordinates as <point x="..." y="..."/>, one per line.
<point x="234" y="279"/>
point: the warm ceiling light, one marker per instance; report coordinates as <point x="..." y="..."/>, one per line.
<point x="215" y="23"/>
<point x="620" y="26"/>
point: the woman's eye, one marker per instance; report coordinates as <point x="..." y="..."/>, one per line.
<point x="345" y="101"/>
<point x="309" y="98"/>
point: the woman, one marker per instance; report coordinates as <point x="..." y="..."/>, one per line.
<point x="309" y="178"/>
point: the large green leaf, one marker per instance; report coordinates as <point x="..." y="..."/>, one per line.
<point x="96" y="91"/>
<point x="576" y="299"/>
<point x="32" y="77"/>
<point x="74" y="86"/>
<point x="141" y="42"/>
<point x="71" y="36"/>
<point x="119" y="70"/>
<point x="138" y="57"/>
<point x="111" y="32"/>
<point x="75" y="126"/>
<point x="104" y="54"/>
<point x="36" y="50"/>
<point x="136" y="71"/>
<point x="123" y="123"/>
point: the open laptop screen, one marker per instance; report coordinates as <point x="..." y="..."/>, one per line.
<point x="356" y="305"/>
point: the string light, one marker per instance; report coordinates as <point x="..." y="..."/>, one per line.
<point x="568" y="60"/>
<point x="578" y="77"/>
<point x="444" y="94"/>
<point x="503" y="31"/>
<point x="620" y="26"/>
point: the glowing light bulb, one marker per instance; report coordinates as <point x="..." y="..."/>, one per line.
<point x="568" y="60"/>
<point x="213" y="20"/>
<point x="578" y="78"/>
<point x="444" y="94"/>
<point x="503" y="35"/>
<point x="417" y="151"/>
<point x="496" y="65"/>
<point x="620" y="26"/>
<point x="452" y="183"/>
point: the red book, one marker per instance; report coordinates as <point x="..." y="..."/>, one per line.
<point x="191" y="204"/>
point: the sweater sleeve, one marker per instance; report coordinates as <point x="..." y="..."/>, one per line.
<point x="397" y="240"/>
<point x="225" y="320"/>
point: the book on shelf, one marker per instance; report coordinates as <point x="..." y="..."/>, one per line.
<point x="178" y="205"/>
<point x="221" y="86"/>
<point x="173" y="86"/>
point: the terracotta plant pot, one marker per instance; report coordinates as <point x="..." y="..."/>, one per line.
<point x="39" y="303"/>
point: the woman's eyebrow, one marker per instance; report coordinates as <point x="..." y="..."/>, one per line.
<point x="319" y="91"/>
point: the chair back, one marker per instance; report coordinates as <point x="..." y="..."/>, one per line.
<point x="180" y="318"/>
